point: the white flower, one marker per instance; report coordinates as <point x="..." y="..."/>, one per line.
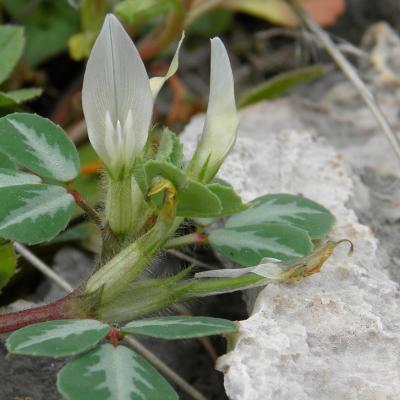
<point x="220" y="128"/>
<point x="117" y="98"/>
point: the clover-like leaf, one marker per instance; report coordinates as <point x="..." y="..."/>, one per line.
<point x="112" y="373"/>
<point x="58" y="338"/>
<point x="10" y="177"/>
<point x="180" y="327"/>
<point x="248" y="245"/>
<point x="39" y="145"/>
<point x="7" y="162"/>
<point x="34" y="213"/>
<point x="286" y="209"/>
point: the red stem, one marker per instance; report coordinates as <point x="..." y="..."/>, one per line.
<point x="61" y="309"/>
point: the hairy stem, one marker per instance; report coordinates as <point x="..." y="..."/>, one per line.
<point x="61" y="309"/>
<point x="191" y="238"/>
<point x="84" y="205"/>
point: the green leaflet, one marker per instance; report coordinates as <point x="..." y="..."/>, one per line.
<point x="139" y="11"/>
<point x="57" y="338"/>
<point x="19" y="96"/>
<point x="194" y="199"/>
<point x="180" y="327"/>
<point x="280" y="84"/>
<point x="230" y="200"/>
<point x="286" y="209"/>
<point x="11" y="45"/>
<point x="6" y="162"/>
<point x="39" y="145"/>
<point x="48" y="26"/>
<point x="170" y="149"/>
<point x="249" y="244"/>
<point x="10" y="177"/>
<point x="109" y="373"/>
<point x="34" y="213"/>
<point x="8" y="263"/>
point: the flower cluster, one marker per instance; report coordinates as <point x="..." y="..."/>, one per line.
<point x="118" y="99"/>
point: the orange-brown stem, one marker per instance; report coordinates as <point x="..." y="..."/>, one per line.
<point x="61" y="309"/>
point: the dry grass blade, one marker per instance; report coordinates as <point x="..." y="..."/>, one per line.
<point x="349" y="71"/>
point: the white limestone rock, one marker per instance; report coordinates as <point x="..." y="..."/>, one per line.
<point x="336" y="334"/>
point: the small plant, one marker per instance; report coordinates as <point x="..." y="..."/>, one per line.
<point x="149" y="193"/>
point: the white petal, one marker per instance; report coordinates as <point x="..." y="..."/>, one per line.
<point x="220" y="128"/>
<point x="115" y="81"/>
<point x="130" y="143"/>
<point x="157" y="82"/>
<point x="109" y="141"/>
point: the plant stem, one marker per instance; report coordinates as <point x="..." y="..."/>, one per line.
<point x="90" y="211"/>
<point x="128" y="264"/>
<point x="61" y="309"/>
<point x="191" y="238"/>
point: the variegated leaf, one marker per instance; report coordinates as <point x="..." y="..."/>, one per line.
<point x="57" y="338"/>
<point x="39" y="145"/>
<point x="9" y="177"/>
<point x="248" y="245"/>
<point x="181" y="327"/>
<point x="7" y="162"/>
<point x="286" y="209"/>
<point x="34" y="213"/>
<point x="109" y="373"/>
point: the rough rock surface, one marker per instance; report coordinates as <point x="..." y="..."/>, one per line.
<point x="335" y="335"/>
